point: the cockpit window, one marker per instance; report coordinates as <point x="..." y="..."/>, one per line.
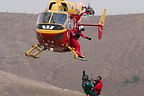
<point x="44" y="17"/>
<point x="58" y="18"/>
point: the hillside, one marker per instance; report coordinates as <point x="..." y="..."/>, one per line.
<point x="118" y="57"/>
<point x="12" y="85"/>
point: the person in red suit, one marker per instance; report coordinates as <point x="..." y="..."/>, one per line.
<point x="75" y="35"/>
<point x="98" y="85"/>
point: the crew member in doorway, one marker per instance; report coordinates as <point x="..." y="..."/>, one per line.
<point x="75" y="35"/>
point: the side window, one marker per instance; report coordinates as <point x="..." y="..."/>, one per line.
<point x="64" y="6"/>
<point x="50" y="6"/>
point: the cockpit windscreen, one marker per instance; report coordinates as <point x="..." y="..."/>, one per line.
<point x="49" y="17"/>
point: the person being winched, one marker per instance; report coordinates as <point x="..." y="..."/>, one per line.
<point x="91" y="87"/>
<point x="75" y="35"/>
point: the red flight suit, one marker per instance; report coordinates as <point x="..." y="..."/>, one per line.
<point x="74" y="42"/>
<point x="98" y="87"/>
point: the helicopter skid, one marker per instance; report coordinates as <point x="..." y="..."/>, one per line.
<point x="37" y="47"/>
<point x="73" y="51"/>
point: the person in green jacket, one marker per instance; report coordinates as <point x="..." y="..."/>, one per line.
<point x="87" y="85"/>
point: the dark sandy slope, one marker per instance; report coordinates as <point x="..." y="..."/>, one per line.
<point x="118" y="57"/>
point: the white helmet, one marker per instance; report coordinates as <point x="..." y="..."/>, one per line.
<point x="81" y="28"/>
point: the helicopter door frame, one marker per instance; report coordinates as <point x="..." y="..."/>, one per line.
<point x="71" y="23"/>
<point x="50" y="5"/>
<point x="65" y="6"/>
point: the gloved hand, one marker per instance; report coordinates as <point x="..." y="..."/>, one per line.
<point x="83" y="73"/>
<point x="89" y="38"/>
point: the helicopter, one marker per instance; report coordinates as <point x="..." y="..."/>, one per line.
<point x="55" y="23"/>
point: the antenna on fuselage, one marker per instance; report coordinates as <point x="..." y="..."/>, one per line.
<point x="89" y="4"/>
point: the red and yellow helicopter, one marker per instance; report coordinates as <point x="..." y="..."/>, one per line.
<point x="54" y="25"/>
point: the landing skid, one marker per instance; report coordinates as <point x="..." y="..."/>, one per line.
<point x="37" y="47"/>
<point x="82" y="59"/>
<point x="75" y="55"/>
<point x="32" y="56"/>
<point x="73" y="51"/>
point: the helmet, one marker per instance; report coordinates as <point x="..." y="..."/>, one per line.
<point x="81" y="28"/>
<point x="85" y="77"/>
<point x="99" y="78"/>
